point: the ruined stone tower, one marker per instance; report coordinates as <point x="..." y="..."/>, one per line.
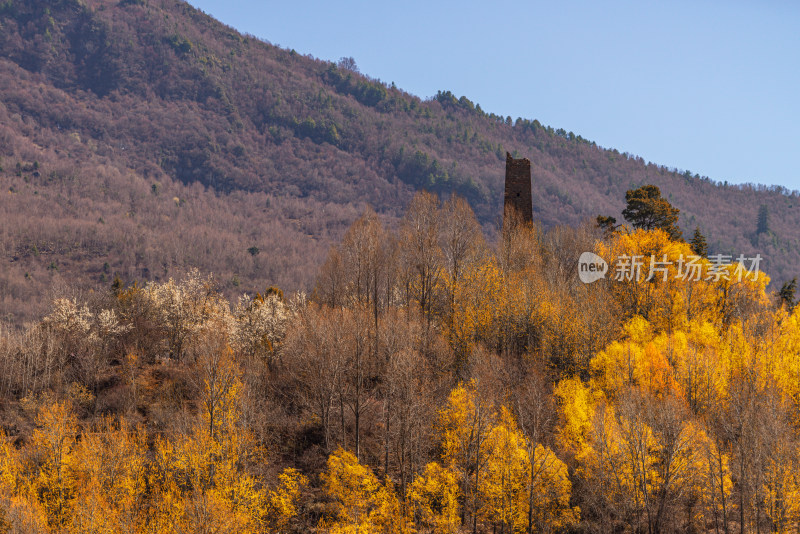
<point x="518" y="188"/>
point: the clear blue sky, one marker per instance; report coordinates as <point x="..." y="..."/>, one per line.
<point x="709" y="86"/>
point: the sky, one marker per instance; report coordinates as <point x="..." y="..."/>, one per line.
<point x="707" y="86"/>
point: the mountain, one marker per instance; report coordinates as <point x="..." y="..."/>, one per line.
<point x="140" y="138"/>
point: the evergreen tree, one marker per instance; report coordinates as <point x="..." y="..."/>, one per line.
<point x="762" y="222"/>
<point x="648" y="210"/>
<point x="787" y="292"/>
<point x="698" y="243"/>
<point x="606" y="224"/>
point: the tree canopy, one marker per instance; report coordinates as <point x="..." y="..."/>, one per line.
<point x="648" y="210"/>
<point x="698" y="243"/>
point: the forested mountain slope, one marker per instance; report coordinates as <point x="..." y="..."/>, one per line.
<point x="142" y="137"/>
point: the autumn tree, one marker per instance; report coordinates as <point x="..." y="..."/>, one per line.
<point x="410" y="391"/>
<point x="363" y="503"/>
<point x="461" y="242"/>
<point x="218" y="380"/>
<point x="550" y="509"/>
<point x="360" y="365"/>
<point x="316" y="365"/>
<point x="464" y="426"/>
<point x="112" y="479"/>
<point x="504" y="485"/>
<point x="434" y="499"/>
<point x="363" y="254"/>
<point x="331" y="284"/>
<point x="20" y="510"/>
<point x="420" y="253"/>
<point x="53" y="464"/>
<point x="549" y="487"/>
<point x="283" y="501"/>
<point x="329" y="353"/>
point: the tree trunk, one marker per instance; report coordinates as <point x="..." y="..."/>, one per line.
<point x="388" y="405"/>
<point x="341" y="415"/>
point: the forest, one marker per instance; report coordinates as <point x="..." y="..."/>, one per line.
<point x="432" y="382"/>
<point x="142" y="138"/>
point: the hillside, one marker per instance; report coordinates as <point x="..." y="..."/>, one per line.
<point x="140" y="138"/>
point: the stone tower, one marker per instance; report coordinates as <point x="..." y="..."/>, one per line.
<point x="518" y="188"/>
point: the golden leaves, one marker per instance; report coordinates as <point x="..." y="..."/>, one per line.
<point x="434" y="499"/>
<point x="362" y="503"/>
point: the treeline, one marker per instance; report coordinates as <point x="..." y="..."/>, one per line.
<point x="430" y="383"/>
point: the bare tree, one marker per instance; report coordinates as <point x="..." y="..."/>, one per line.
<point x="420" y="252"/>
<point x="315" y="361"/>
<point x="460" y="238"/>
<point x="410" y="391"/>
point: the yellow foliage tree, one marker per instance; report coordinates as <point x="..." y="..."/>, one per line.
<point x="363" y="504"/>
<point x="618" y="463"/>
<point x="577" y="403"/>
<point x="53" y="462"/>
<point x="479" y="297"/>
<point x="433" y="498"/>
<point x="168" y="506"/>
<point x="200" y="477"/>
<point x="503" y="488"/>
<point x="672" y="295"/>
<point x="708" y="481"/>
<point x="19" y="509"/>
<point x="111" y="479"/>
<point x="464" y="424"/>
<point x="782" y="358"/>
<point x="551" y="490"/>
<point x="700" y="365"/>
<point x="10" y="476"/>
<point x="283" y="500"/>
<point x="637" y="361"/>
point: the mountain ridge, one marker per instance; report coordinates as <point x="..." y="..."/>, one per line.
<point x="144" y="138"/>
